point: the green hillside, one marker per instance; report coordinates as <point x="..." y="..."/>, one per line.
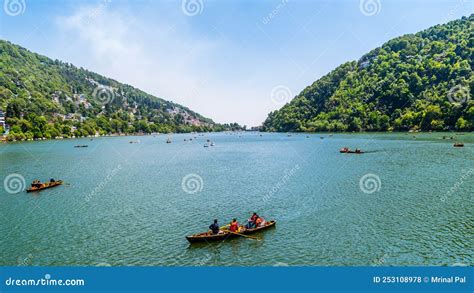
<point x="48" y="98"/>
<point x="420" y="81"/>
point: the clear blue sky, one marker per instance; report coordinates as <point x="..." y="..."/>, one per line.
<point x="225" y="59"/>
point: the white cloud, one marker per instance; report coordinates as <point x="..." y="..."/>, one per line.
<point x="165" y="60"/>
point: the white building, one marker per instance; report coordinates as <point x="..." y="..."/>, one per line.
<point x="2" y="119"/>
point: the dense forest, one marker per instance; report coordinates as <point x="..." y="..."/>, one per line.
<point x="44" y="98"/>
<point x="420" y="81"/>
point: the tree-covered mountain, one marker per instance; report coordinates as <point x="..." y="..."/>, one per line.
<point x="49" y="98"/>
<point x="420" y="81"/>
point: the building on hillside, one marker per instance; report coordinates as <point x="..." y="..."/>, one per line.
<point x="2" y="119"/>
<point x="3" y="123"/>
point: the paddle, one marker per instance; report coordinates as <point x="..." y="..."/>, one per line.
<point x="246" y="236"/>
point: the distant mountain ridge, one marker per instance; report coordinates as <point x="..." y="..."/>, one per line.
<point x="49" y="98"/>
<point x="420" y="81"/>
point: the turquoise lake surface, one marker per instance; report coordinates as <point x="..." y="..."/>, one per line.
<point x="408" y="201"/>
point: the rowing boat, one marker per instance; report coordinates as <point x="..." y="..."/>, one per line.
<point x="223" y="235"/>
<point x="348" y="151"/>
<point x="45" y="186"/>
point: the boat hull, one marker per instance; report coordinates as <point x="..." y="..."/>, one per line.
<point x="205" y="237"/>
<point x="50" y="185"/>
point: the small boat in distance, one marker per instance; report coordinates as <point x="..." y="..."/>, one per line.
<point x="81" y="146"/>
<point x="38" y="186"/>
<point x="225" y="234"/>
<point x="134" y="141"/>
<point x="346" y="150"/>
<point x="458" y="145"/>
<point x="168" y="140"/>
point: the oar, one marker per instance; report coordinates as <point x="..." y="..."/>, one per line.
<point x="246" y="236"/>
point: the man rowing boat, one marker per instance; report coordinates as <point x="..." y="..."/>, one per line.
<point x="214" y="227"/>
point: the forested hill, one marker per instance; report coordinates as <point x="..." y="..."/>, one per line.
<point x="48" y="98"/>
<point x="420" y="81"/>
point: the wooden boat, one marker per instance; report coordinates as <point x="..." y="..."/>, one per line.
<point x="458" y="145"/>
<point x="344" y="150"/>
<point x="348" y="151"/>
<point x="45" y="185"/>
<point x="355" y="152"/>
<point x="206" y="237"/>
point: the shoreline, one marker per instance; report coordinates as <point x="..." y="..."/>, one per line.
<point x="449" y="134"/>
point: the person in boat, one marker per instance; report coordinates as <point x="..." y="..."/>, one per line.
<point x="36" y="183"/>
<point x="252" y="221"/>
<point x="234" y="226"/>
<point x="357" y="150"/>
<point x="259" y="222"/>
<point x="52" y="180"/>
<point x="214" y="227"/>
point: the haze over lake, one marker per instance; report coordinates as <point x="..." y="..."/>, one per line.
<point x="407" y="201"/>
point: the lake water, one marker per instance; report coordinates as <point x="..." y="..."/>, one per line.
<point x="407" y="201"/>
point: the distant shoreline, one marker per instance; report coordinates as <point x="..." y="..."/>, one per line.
<point x="448" y="133"/>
